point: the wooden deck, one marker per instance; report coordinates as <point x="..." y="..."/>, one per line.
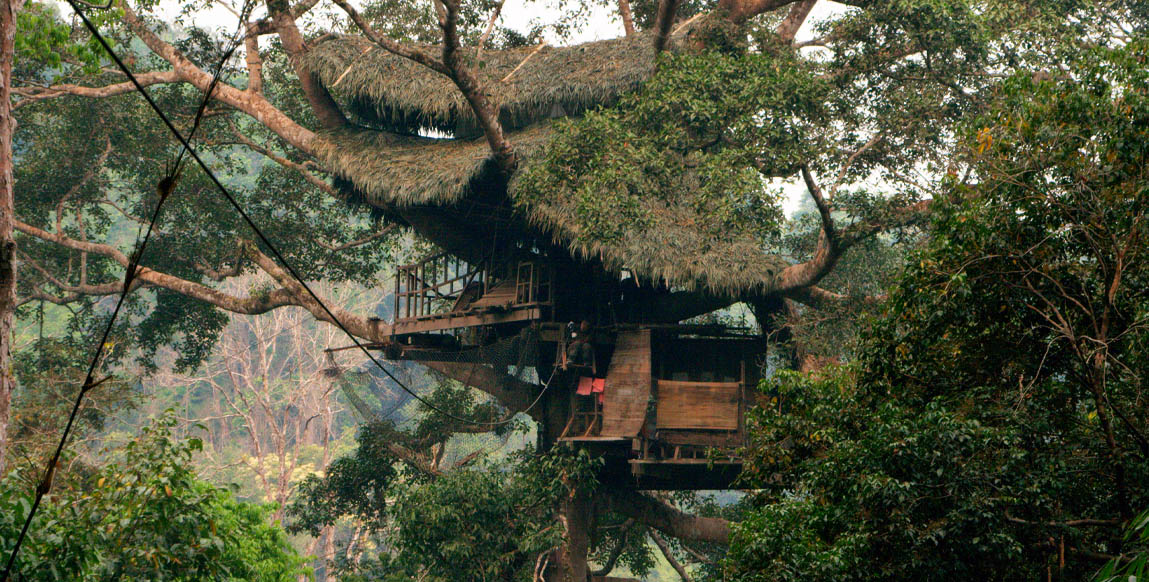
<point x="468" y="318"/>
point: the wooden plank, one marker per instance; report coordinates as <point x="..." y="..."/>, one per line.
<point x="627" y="385"/>
<point x="453" y="321"/>
<point x="698" y="405"/>
<point x="500" y="295"/>
<point x="701" y="438"/>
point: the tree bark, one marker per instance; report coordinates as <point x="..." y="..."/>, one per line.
<point x="249" y="102"/>
<point x="627" y="17"/>
<point x="669" y="520"/>
<point x="7" y="218"/>
<point x="793" y="21"/>
<point x="575" y="514"/>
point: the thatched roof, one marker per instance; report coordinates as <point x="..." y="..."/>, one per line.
<point x="392" y="170"/>
<point x="395" y="93"/>
<point x="395" y="171"/>
<point x="669" y="247"/>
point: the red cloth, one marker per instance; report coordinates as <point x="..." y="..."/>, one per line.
<point x="598" y="385"/>
<point x="585" y="386"/>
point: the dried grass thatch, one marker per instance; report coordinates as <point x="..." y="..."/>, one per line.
<point x="668" y="248"/>
<point x="392" y="170"/>
<point x="396" y="94"/>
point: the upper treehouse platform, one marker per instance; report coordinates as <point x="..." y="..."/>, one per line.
<point x="442" y="294"/>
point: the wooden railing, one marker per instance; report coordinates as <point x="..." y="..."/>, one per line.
<point x="443" y="284"/>
<point x="433" y="285"/>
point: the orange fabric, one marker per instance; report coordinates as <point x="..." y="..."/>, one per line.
<point x="598" y="385"/>
<point x="585" y="386"/>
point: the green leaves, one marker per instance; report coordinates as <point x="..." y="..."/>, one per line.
<point x="42" y="37"/>
<point x="972" y="430"/>
<point x="146" y="517"/>
<point x="695" y="136"/>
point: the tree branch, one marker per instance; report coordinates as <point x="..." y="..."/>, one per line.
<point x="739" y="11"/>
<point x="322" y="104"/>
<point x="663" y="517"/>
<point x="370" y="329"/>
<point x="665" y="549"/>
<point x="663" y="20"/>
<point x="793" y="21"/>
<point x="616" y="552"/>
<point x="32" y="94"/>
<point x="390" y="45"/>
<point x="251" y="305"/>
<point x="249" y="102"/>
<point x="357" y="243"/>
<point x="627" y="17"/>
<point x="472" y="89"/>
<point x="307" y="175"/>
<point x="510" y="392"/>
<point x="253" y="61"/>
<point x="820" y="298"/>
<point x="487" y="33"/>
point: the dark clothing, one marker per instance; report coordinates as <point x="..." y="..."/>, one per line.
<point x="580" y="353"/>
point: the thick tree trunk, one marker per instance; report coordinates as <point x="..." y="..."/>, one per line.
<point x="7" y="216"/>
<point x="569" y="561"/>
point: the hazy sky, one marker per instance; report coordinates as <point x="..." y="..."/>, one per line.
<point x="516" y="14"/>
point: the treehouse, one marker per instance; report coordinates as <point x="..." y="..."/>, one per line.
<point x="663" y="400"/>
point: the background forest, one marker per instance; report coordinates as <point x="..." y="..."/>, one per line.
<point x="957" y="393"/>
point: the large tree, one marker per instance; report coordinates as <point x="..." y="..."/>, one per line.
<point x="871" y="99"/>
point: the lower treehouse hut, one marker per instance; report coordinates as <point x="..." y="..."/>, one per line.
<point x="604" y="323"/>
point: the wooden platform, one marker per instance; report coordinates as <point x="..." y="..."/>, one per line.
<point x="469" y="318"/>
<point x="627" y="385"/>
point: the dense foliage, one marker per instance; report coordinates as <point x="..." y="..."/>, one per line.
<point x="145" y="516"/>
<point x="994" y="427"/>
<point x="486" y="520"/>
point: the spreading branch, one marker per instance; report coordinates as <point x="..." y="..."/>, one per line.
<point x="31" y="95"/>
<point x="359" y="326"/>
<point x="249" y="102"/>
<point x="668" y="519"/>
<point x="251" y="305"/>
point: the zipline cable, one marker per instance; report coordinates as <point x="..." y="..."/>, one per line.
<point x="334" y="320"/>
<point x="164" y="189"/>
<point x="170" y="183"/>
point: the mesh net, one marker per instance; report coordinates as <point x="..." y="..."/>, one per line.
<point x="375" y="397"/>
